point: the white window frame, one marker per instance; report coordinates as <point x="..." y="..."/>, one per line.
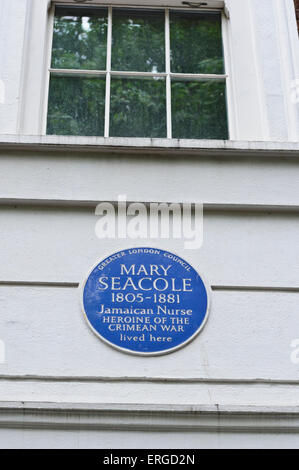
<point x="207" y="4"/>
<point x="246" y="114"/>
<point x="246" y="104"/>
<point x="108" y="73"/>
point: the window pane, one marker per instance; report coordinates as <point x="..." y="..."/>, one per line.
<point x="76" y="106"/>
<point x="138" y="41"/>
<point x="199" y="110"/>
<point x="196" y="43"/>
<point x="138" y="108"/>
<point x="80" y="38"/>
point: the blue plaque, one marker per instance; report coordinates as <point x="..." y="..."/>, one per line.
<point x="145" y="301"/>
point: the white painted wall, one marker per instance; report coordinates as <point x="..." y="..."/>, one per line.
<point x="50" y="439"/>
<point x="249" y="255"/>
<point x="12" y="29"/>
<point x="250" y="252"/>
<point x="247" y="337"/>
<point x="277" y="53"/>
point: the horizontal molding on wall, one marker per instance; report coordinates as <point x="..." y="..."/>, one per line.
<point x="88" y="204"/>
<point x="282" y="289"/>
<point x="74" y="285"/>
<point x="123" y="146"/>
<point x="157" y="380"/>
<point x="170" y="418"/>
<point x="53" y="284"/>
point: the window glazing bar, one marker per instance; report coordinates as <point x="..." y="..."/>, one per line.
<point x="168" y="79"/>
<point x="137" y="74"/>
<point x="77" y="72"/>
<point x="126" y="73"/>
<point x="108" y="76"/>
<point x="198" y="76"/>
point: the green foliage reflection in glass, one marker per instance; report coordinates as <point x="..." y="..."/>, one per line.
<point x="76" y="106"/>
<point x="138" y="108"/>
<point x="199" y="110"/>
<point x="138" y="105"/>
<point x="196" y="43"/>
<point x="80" y="41"/>
<point x="138" y="41"/>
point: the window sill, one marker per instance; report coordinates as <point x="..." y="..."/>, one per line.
<point x="149" y="146"/>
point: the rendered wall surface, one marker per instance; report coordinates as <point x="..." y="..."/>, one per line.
<point x="250" y="257"/>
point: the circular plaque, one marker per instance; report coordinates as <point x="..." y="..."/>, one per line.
<point x="145" y="301"/>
